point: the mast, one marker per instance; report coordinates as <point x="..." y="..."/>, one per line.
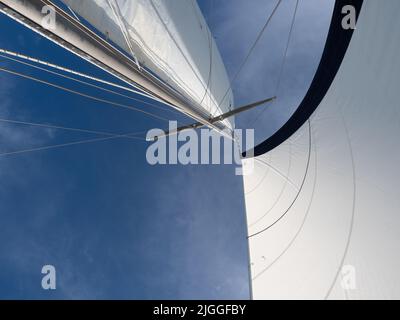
<point x="72" y="35"/>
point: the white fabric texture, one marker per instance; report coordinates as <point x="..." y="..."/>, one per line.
<point x="323" y="207"/>
<point x="172" y="39"/>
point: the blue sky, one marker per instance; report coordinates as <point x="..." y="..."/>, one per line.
<point x="112" y="225"/>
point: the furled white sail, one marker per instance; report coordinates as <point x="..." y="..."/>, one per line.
<point x="172" y="39"/>
<point x="323" y="207"/>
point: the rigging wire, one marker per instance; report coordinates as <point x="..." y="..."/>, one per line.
<point x="287" y="46"/>
<point x="123" y="28"/>
<point x="54" y="146"/>
<point x="148" y="75"/>
<point x="96" y="38"/>
<point x="52" y="126"/>
<point x="259" y="36"/>
<point x="115" y="104"/>
<point x="87" y="83"/>
<point x="282" y="65"/>
<point x="48" y="64"/>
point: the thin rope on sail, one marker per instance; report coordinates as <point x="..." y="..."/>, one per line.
<point x="73" y="13"/>
<point x="88" y="32"/>
<point x="115" y="104"/>
<point x="199" y="78"/>
<point x="208" y="90"/>
<point x="58" y="127"/>
<point x="122" y="26"/>
<point x="93" y="36"/>
<point x="260" y="34"/>
<point x="302" y="222"/>
<point x="88" y="84"/>
<point x="298" y="192"/>
<point x="277" y="200"/>
<point x="266" y="173"/>
<point x="124" y="30"/>
<point x="282" y="65"/>
<point x="51" y="65"/>
<point x="353" y="209"/>
<point x="279" y="173"/>
<point x="55" y="146"/>
<point x="149" y="75"/>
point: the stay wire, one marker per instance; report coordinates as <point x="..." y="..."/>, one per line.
<point x="60" y="145"/>
<point x="58" y="127"/>
<point x="115" y="104"/>
<point x="282" y="64"/>
<point x="259" y="36"/>
<point x="87" y="83"/>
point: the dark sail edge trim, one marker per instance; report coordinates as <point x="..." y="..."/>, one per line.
<point x="336" y="46"/>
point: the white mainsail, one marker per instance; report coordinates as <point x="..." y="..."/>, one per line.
<point x="172" y="39"/>
<point x="163" y="48"/>
<point x="323" y="207"/>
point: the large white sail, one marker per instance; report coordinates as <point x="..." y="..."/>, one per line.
<point x="323" y="206"/>
<point x="172" y="39"/>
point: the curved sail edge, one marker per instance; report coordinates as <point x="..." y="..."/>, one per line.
<point x="323" y="210"/>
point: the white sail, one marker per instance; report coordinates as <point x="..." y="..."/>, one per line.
<point x="172" y="39"/>
<point x="323" y="207"/>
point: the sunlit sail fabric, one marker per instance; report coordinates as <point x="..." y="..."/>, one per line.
<point x="170" y="38"/>
<point x="323" y="205"/>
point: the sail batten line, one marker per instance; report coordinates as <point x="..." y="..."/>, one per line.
<point x="353" y="208"/>
<point x="302" y="223"/>
<point x="278" y="172"/>
<point x="298" y="192"/>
